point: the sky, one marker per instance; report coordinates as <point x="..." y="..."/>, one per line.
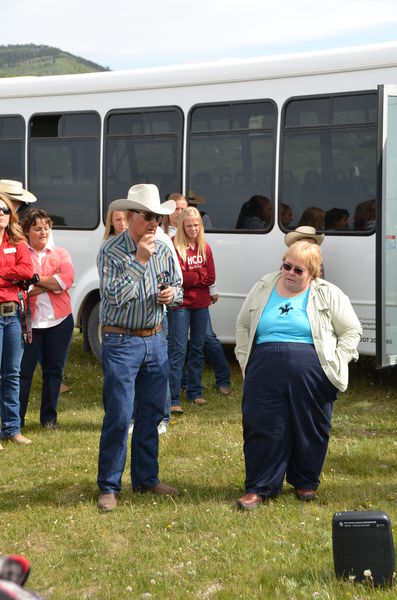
<point x="126" y="34"/>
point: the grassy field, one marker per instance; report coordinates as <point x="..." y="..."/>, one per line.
<point x="196" y="545"/>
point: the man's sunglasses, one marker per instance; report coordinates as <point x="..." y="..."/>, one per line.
<point x="296" y="270"/>
<point x="148" y="216"/>
<point x="5" y="210"/>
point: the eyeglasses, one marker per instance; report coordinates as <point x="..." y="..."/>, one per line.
<point x="296" y="270"/>
<point x="148" y="216"/>
<point x="5" y="210"/>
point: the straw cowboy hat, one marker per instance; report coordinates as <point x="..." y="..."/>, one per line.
<point x="144" y="196"/>
<point x="193" y="198"/>
<point x="14" y="191"/>
<point x="303" y="232"/>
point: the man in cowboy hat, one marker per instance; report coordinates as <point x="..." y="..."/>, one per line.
<point x="137" y="279"/>
<point x="20" y="197"/>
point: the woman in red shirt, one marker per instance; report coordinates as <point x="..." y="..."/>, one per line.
<point x="15" y="265"/>
<point x="198" y="271"/>
<point x="52" y="319"/>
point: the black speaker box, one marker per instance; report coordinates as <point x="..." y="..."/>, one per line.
<point x="363" y="540"/>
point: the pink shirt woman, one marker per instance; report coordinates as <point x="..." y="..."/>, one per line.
<point x="52" y="319"/>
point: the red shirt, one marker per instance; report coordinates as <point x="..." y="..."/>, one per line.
<point x="15" y="264"/>
<point x="198" y="275"/>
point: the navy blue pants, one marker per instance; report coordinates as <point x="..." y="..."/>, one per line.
<point x="287" y="410"/>
<point x="52" y="344"/>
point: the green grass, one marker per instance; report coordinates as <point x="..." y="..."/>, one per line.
<point x="196" y="545"/>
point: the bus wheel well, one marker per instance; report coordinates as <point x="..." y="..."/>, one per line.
<point x="90" y="302"/>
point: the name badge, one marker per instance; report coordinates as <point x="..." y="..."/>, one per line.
<point x="10" y="250"/>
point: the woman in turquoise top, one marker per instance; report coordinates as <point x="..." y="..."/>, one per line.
<point x="296" y="334"/>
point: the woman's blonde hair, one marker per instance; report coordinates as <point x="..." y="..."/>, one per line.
<point x="109" y="229"/>
<point x="13" y="228"/>
<point x="307" y="252"/>
<point x="181" y="240"/>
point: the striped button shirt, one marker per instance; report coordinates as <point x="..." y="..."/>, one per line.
<point x="129" y="289"/>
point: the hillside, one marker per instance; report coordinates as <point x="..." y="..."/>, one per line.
<point x="30" y="59"/>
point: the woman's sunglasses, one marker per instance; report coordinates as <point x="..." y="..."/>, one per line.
<point x="296" y="270"/>
<point x="5" y="210"/>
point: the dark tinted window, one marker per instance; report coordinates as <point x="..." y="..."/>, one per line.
<point x="143" y="147"/>
<point x="64" y="167"/>
<point x="12" y="148"/>
<point x="12" y="128"/>
<point x="355" y="109"/>
<point x="210" y="118"/>
<point x="328" y="171"/>
<point x="303" y="113"/>
<point x="231" y="150"/>
<point x="254" y="115"/>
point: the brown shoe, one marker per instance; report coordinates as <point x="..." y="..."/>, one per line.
<point x="64" y="388"/>
<point x="163" y="490"/>
<point x="249" y="501"/>
<point x="107" y="501"/>
<point x="20" y="439"/>
<point x="177" y="410"/>
<point x="199" y="401"/>
<point x="305" y="495"/>
<point x="224" y="390"/>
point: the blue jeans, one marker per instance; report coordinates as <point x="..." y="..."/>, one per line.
<point x="216" y="358"/>
<point x="11" y="350"/>
<point x="167" y="403"/>
<point x="179" y="322"/>
<point x="167" y="399"/>
<point x="50" y="346"/>
<point x="135" y="373"/>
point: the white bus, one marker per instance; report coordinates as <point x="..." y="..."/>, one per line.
<point x="301" y="130"/>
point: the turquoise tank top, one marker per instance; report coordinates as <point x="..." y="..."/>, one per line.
<point x="285" y="320"/>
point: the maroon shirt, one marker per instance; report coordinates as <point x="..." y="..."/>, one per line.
<point x="198" y="275"/>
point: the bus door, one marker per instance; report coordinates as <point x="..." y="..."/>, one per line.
<point x="386" y="227"/>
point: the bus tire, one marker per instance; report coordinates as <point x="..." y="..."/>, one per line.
<point x="94" y="332"/>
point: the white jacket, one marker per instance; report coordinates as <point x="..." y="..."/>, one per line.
<point x="335" y="327"/>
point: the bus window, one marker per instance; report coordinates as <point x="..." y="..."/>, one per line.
<point x="231" y="156"/>
<point x="328" y="162"/>
<point x="142" y="146"/>
<point x="12" y="148"/>
<point x="63" y="167"/>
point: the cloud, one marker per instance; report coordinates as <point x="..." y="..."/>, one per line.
<point x="124" y="33"/>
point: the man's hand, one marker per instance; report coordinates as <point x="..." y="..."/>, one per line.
<point x="165" y="296"/>
<point x="214" y="298"/>
<point x="145" y="249"/>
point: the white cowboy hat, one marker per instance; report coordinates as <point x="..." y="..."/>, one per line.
<point x="144" y="196"/>
<point x="14" y="191"/>
<point x="194" y="198"/>
<point x="303" y="232"/>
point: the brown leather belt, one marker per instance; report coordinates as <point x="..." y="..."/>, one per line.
<point x="8" y="309"/>
<point x="133" y="332"/>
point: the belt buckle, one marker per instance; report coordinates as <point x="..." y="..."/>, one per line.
<point x="7" y="309"/>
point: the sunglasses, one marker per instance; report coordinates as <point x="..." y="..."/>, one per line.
<point x="148" y="216"/>
<point x="296" y="270"/>
<point x="5" y="210"/>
